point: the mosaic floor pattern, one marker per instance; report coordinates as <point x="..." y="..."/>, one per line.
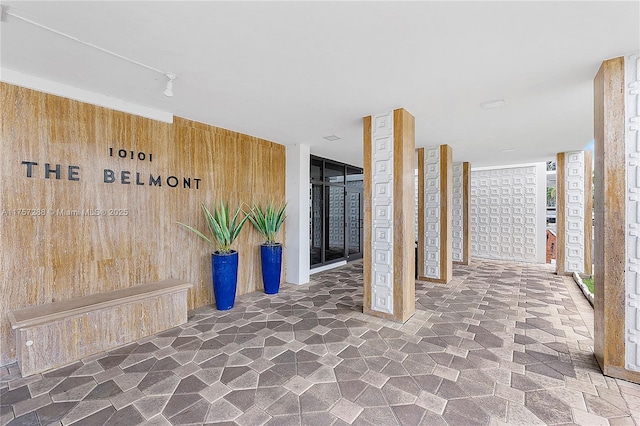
<point x="502" y="344"/>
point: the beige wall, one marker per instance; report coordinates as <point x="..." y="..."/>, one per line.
<point x="54" y="247"/>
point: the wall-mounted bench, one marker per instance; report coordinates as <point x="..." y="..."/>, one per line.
<point x="55" y="334"/>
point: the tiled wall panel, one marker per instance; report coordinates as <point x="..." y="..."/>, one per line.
<point x="632" y="142"/>
<point x="574" y="212"/>
<point x="382" y="213"/>
<point x="503" y="213"/>
<point x="457" y="214"/>
<point x="432" y="212"/>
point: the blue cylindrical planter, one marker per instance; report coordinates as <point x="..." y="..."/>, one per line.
<point x="271" y="256"/>
<point x="225" y="279"/>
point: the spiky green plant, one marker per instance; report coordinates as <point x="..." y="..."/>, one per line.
<point x="224" y="229"/>
<point x="268" y="220"/>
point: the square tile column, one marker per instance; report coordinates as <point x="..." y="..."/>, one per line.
<point x="389" y="285"/>
<point x="460" y="217"/>
<point x="617" y="223"/>
<point x="574" y="212"/>
<point x="435" y="201"/>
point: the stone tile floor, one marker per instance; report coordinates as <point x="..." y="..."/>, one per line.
<point x="503" y="343"/>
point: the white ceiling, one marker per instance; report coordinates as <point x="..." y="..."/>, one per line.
<point x="293" y="72"/>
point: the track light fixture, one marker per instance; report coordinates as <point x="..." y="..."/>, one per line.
<point x="169" y="89"/>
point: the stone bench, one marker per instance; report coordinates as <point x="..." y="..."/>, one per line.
<point x="58" y="333"/>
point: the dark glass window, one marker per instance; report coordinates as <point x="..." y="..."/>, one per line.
<point x="316" y="169"/>
<point x="355" y="178"/>
<point x="333" y="173"/>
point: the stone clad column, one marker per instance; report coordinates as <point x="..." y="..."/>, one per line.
<point x="574" y="203"/>
<point x="435" y="196"/>
<point x="389" y="285"/>
<point x="617" y="218"/>
<point x="460" y="217"/>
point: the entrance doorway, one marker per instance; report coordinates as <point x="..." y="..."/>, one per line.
<point x="336" y="217"/>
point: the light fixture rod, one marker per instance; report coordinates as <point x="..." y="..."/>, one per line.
<point x="5" y="11"/>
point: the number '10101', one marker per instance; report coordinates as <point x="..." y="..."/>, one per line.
<point x="123" y="153"/>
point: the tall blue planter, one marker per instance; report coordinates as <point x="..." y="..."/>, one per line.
<point x="271" y="256"/>
<point x="225" y="279"/>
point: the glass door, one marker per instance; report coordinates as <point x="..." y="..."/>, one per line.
<point x="336" y="213"/>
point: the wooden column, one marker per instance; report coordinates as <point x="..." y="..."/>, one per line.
<point x="466" y="212"/>
<point x="389" y="285"/>
<point x="435" y="194"/>
<point x="610" y="220"/>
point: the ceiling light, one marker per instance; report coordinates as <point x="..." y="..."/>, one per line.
<point x="169" y="90"/>
<point x="332" y="138"/>
<point x="508" y="150"/>
<point x="498" y="103"/>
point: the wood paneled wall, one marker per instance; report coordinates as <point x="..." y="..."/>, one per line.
<point x="53" y="249"/>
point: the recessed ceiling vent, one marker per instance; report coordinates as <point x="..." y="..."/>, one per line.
<point x="498" y="103"/>
<point x="332" y="138"/>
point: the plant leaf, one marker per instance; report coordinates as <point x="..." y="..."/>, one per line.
<point x="223" y="232"/>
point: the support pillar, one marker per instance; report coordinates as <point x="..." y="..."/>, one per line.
<point x="617" y="260"/>
<point x="389" y="285"/>
<point x="574" y="204"/>
<point x="435" y="200"/>
<point x="461" y="219"/>
<point x="297" y="256"/>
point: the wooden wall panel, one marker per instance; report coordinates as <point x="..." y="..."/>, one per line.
<point x="51" y="257"/>
<point x="367" y="277"/>
<point x="466" y="212"/>
<point x="561" y="193"/>
<point x="404" y="284"/>
<point x="446" y="204"/>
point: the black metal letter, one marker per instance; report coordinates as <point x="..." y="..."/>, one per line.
<point x="175" y="179"/>
<point x="29" y="165"/>
<point x="109" y="176"/>
<point x="73" y="172"/>
<point x="48" y="171"/>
